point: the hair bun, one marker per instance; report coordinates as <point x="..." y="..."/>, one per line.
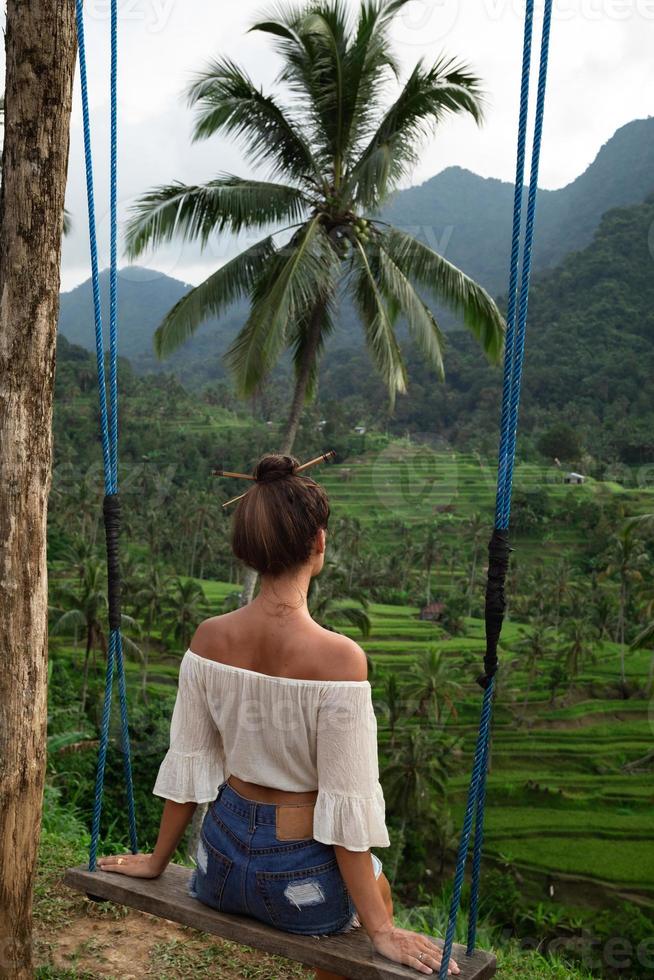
<point x="275" y="467"/>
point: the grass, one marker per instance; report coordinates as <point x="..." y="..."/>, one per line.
<point x="159" y="950"/>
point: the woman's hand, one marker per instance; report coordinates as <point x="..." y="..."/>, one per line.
<point x="134" y="865"/>
<point x="411" y="949"/>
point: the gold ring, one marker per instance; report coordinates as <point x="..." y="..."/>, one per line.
<point x="420" y="956"/>
<point x="119" y="861"/>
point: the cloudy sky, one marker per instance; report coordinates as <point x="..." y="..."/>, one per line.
<point x="601" y="76"/>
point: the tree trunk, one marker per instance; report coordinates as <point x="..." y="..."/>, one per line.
<point x="623" y="607"/>
<point x="302" y="380"/>
<point x="85" y="675"/>
<point x="40" y="48"/>
<point x="295" y="414"/>
<point x="473" y="576"/>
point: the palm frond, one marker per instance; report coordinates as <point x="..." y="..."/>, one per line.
<point x="298" y="275"/>
<point x="227" y="203"/>
<point x="69" y="621"/>
<point x="312" y="43"/>
<point x="71" y="741"/>
<point x="229" y="102"/>
<point x="450" y="285"/>
<point x="370" y="58"/>
<point x="644" y="638"/>
<point x="356" y="617"/>
<point x="428" y="96"/>
<point x="336" y="69"/>
<point x="212" y="297"/>
<point x="422" y="323"/>
<point x="377" y="323"/>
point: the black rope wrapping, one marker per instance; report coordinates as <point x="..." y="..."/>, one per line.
<point x="111" y="514"/>
<point x="498" y="566"/>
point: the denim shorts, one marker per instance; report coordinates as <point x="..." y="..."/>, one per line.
<point x="242" y="868"/>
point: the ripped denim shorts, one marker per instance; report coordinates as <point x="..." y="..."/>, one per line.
<point x="243" y="868"/>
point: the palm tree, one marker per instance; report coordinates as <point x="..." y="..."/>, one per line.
<point x="416" y="774"/>
<point x="445" y="835"/>
<point x="432" y="686"/>
<point x="85" y="608"/>
<point x="578" y="637"/>
<point x="333" y="155"/>
<point x="476" y="527"/>
<point x="557" y="678"/>
<point x="326" y="607"/>
<point x="150" y="601"/>
<point x="183" y="609"/>
<point x="626" y="557"/>
<point x="535" y="646"/>
<point x="349" y="532"/>
<point x="430" y="551"/>
<point x="394" y="702"/>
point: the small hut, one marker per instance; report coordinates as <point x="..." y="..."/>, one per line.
<point x="432" y="613"/>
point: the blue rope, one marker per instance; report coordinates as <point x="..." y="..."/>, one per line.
<point x="519" y="353"/>
<point x="479" y="830"/>
<point x="512" y="381"/>
<point x="479" y="761"/>
<point x="515" y="255"/>
<point x="108" y="422"/>
<point x="113" y="248"/>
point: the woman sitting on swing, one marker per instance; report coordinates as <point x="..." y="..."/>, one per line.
<point x="274" y="727"/>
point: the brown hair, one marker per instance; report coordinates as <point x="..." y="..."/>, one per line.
<point x="276" y="522"/>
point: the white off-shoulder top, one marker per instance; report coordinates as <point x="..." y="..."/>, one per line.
<point x="283" y="732"/>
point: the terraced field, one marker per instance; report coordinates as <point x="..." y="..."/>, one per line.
<point x="409" y="485"/>
<point x="559" y="806"/>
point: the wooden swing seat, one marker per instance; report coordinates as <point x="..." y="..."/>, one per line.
<point x="349" y="954"/>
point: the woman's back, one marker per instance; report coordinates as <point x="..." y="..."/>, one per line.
<point x="268" y="637"/>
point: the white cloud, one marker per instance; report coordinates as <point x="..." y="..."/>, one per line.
<point x="600" y="78"/>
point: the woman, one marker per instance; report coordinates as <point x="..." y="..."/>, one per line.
<point x="274" y="726"/>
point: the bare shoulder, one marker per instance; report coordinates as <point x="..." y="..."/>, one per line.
<point x="344" y="660"/>
<point x="210" y="635"/>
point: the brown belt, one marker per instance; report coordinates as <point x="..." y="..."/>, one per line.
<point x="293" y="821"/>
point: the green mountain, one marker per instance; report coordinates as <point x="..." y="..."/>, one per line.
<point x="589" y="363"/>
<point x="466" y="216"/>
<point x="469" y="217"/>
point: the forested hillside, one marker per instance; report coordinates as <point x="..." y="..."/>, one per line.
<point x="469" y="217"/>
<point x="590" y="356"/>
<point x="462" y="215"/>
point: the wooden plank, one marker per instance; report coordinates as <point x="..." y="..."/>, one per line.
<point x="350" y="954"/>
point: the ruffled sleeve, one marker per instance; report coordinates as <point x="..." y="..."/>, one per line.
<point x="193" y="767"/>
<point x="350" y="807"/>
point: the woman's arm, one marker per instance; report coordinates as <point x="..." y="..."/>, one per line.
<point x="359" y="876"/>
<point x="174" y="821"/>
<point x="401" y="945"/>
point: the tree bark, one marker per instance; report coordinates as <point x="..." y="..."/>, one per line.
<point x="302" y="381"/>
<point x="40" y="44"/>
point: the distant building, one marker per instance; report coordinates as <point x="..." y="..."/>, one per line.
<point x="433" y="612"/>
<point x="574" y="478"/>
